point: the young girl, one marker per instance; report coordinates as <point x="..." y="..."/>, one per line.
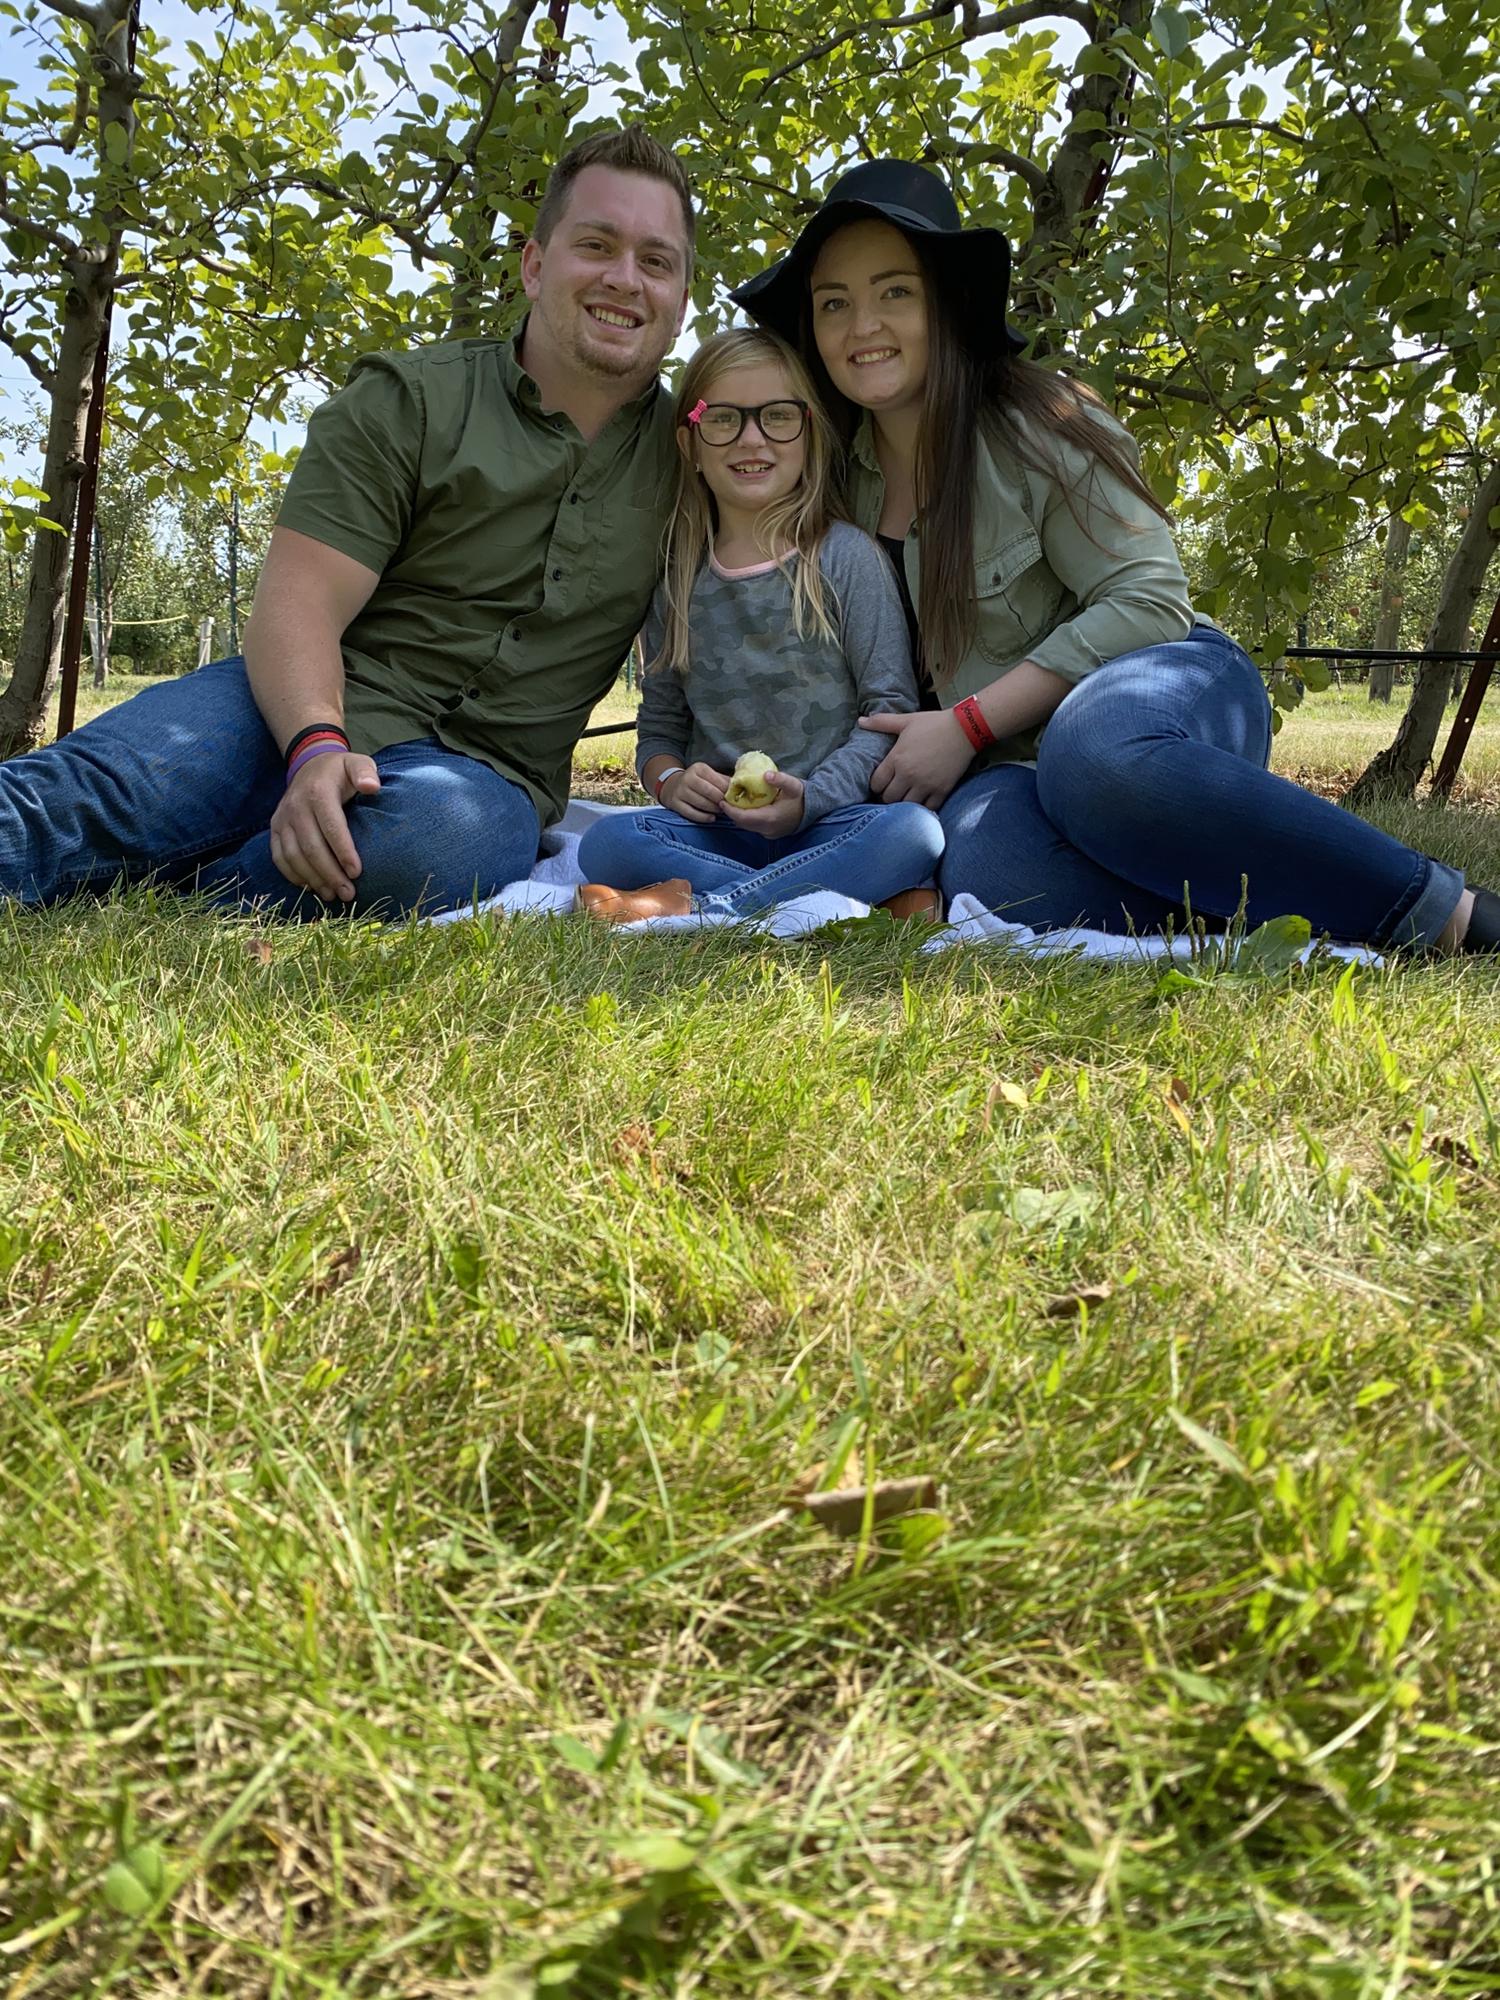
<point x="1100" y="748"/>
<point x="775" y="629"/>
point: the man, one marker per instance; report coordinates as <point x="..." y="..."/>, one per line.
<point x="466" y="549"/>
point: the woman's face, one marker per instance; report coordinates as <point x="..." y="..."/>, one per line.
<point x="869" y="312"/>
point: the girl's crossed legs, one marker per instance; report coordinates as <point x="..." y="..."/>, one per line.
<point x="864" y="851"/>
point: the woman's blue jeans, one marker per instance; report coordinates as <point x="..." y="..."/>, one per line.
<point x="181" y="781"/>
<point x="865" y="851"/>
<point x="1150" y="792"/>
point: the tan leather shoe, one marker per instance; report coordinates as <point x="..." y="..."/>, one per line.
<point x="628" y="906"/>
<point x="924" y="903"/>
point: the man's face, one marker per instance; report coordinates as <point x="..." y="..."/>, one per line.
<point x="609" y="287"/>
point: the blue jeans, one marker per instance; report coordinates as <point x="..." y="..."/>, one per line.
<point x="1151" y="787"/>
<point x="866" y="851"/>
<point x="181" y="781"/>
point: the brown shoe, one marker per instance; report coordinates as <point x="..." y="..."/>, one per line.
<point x="926" y="904"/>
<point x="628" y="906"/>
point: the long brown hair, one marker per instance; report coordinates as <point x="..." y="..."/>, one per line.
<point x="1022" y="411"/>
<point x="791" y="530"/>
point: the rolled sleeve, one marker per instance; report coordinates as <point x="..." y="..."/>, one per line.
<point x="1117" y="558"/>
<point x="354" y="484"/>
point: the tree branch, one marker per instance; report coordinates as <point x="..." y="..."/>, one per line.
<point x="64" y="244"/>
<point x="93" y="18"/>
<point x="1153" y="385"/>
<point x="43" y="375"/>
<point x="824" y="48"/>
<point x="978" y="155"/>
<point x="974" y="25"/>
<point x="505" y="45"/>
<point x="1248" y="125"/>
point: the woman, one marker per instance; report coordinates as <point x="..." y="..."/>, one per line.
<point x="1096" y="749"/>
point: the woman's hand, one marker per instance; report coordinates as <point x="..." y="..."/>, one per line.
<point x="696" y="793"/>
<point x="927" y="759"/>
<point x="777" y="820"/>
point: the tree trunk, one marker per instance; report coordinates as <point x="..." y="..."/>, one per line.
<point x="90" y="266"/>
<point x="1076" y="175"/>
<point x="1400" y="768"/>
<point x="101" y="619"/>
<point x="23" y="706"/>
<point x="1392" y="596"/>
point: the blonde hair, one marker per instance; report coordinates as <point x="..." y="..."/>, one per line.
<point x="796" y="524"/>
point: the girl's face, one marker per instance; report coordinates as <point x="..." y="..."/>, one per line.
<point x="754" y="471"/>
<point x="869" y="314"/>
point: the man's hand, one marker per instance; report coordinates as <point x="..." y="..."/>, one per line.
<point x="696" y="793"/>
<point x="927" y="759"/>
<point x="783" y="816"/>
<point x="310" y="840"/>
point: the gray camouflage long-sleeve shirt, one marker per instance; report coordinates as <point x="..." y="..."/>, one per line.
<point x="752" y="684"/>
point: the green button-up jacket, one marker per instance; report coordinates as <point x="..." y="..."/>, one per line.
<point x="516" y="560"/>
<point x="1066" y="585"/>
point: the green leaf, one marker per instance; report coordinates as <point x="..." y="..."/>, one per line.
<point x="1050" y="1208"/>
<point x="116" y="144"/>
<point x="1252" y="101"/>
<point x="1223" y="1455"/>
<point x="575" y="1754"/>
<point x="1269" y="950"/>
<point x="133" y="1885"/>
<point x="657" y="1853"/>
<point x="1172" y="32"/>
<point x="1375" y="1392"/>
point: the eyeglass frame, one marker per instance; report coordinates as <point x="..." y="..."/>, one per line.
<point x="745" y="411"/>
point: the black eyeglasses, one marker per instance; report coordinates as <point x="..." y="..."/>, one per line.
<point x="721" y="423"/>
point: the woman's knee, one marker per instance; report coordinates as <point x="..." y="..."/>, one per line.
<point x="919" y="830"/>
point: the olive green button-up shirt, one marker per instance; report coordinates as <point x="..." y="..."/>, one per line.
<point x="516" y="560"/>
<point x="1070" y="570"/>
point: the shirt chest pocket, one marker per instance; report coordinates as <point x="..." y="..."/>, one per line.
<point x="1018" y="599"/>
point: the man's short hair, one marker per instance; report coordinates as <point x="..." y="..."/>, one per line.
<point x="630" y="150"/>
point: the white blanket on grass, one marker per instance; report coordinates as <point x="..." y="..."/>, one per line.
<point x="548" y="891"/>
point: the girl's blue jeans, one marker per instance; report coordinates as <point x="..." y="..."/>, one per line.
<point x="181" y="781"/>
<point x="865" y="851"/>
<point x="1150" y="791"/>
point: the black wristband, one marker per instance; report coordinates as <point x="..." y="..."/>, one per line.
<point x="313" y="729"/>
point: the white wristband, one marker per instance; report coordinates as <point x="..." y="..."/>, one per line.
<point x="657" y="783"/>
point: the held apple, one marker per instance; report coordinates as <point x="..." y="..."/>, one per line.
<point x="747" y="785"/>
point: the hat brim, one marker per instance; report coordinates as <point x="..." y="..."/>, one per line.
<point x="774" y="297"/>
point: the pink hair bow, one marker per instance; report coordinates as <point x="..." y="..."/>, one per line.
<point x="697" y="410"/>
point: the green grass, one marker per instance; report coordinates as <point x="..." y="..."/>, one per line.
<point x="411" y="1339"/>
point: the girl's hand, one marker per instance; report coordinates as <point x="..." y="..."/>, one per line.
<point x="781" y="817"/>
<point x="696" y="793"/>
<point x="927" y="759"/>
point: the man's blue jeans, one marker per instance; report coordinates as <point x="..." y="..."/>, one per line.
<point x="1151" y="787"/>
<point x="181" y="781"/>
<point x="866" y="851"/>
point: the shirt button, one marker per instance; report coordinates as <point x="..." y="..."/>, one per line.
<point x="572" y="499"/>
<point x="557" y="576"/>
<point x="472" y="693"/>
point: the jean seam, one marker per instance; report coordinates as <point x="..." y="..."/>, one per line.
<point x="70" y="879"/>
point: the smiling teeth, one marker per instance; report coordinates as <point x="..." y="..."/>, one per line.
<point x="881" y="354"/>
<point x="613" y="319"/>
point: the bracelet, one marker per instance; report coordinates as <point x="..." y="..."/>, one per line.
<point x="310" y="750"/>
<point x="306" y="735"/>
<point x="970" y="718"/>
<point x="657" y="783"/>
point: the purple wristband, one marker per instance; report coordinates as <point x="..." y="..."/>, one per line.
<point x="306" y="756"/>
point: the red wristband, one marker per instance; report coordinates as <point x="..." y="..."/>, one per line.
<point x="657" y="783"/>
<point x="971" y="721"/>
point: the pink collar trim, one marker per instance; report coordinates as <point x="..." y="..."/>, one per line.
<point x="752" y="569"/>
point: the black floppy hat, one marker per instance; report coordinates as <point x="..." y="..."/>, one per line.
<point x="974" y="263"/>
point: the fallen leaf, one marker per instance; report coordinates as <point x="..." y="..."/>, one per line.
<point x="343" y="1266"/>
<point x="258" y="950"/>
<point x="1003" y="1092"/>
<point x="842" y="1512"/>
<point x="1068" y="1305"/>
<point x="1454" y="1151"/>
<point x="632" y="1139"/>
<point x="1176" y="1096"/>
